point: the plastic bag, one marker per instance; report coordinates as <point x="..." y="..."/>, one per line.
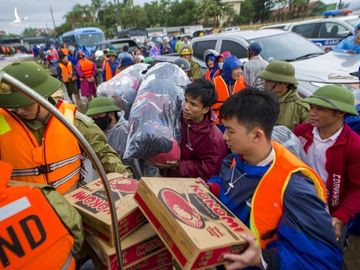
<point x="154" y="125"/>
<point x="122" y="88"/>
<point x="287" y="138"/>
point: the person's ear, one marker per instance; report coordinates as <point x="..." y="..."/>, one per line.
<point x="340" y="114"/>
<point x="205" y="110"/>
<point x="258" y="135"/>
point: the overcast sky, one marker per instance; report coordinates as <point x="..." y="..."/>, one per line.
<point x="39" y="15"/>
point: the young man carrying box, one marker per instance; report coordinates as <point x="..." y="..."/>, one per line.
<point x="280" y="198"/>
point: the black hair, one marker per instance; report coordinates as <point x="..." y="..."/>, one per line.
<point x="252" y="107"/>
<point x="125" y="48"/>
<point x="204" y="89"/>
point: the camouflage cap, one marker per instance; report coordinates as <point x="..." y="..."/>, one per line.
<point x="33" y="76"/>
<point x="334" y="97"/>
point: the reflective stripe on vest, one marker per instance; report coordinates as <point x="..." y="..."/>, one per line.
<point x="31" y="234"/>
<point x="87" y="67"/>
<point x="66" y="71"/>
<point x="267" y="201"/>
<point x="56" y="161"/>
<point x="46" y="168"/>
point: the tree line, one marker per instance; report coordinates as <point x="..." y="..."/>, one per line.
<point x="107" y="15"/>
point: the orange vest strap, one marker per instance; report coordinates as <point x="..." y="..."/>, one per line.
<point x="207" y="75"/>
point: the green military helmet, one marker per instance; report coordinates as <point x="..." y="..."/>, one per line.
<point x="101" y="105"/>
<point x="111" y="53"/>
<point x="33" y="76"/>
<point x="279" y="71"/>
<point x="334" y="97"/>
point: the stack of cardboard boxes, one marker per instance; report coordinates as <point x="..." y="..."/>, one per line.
<point x="184" y="218"/>
<point x="141" y="247"/>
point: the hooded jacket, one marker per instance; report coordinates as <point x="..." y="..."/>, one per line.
<point x="342" y="165"/>
<point x="202" y="148"/>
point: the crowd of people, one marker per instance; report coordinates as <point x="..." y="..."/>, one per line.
<point x="299" y="207"/>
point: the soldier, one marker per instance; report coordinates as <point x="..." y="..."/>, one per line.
<point x="45" y="151"/>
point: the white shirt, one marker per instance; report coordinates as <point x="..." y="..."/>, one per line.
<point x="317" y="150"/>
<point x="268" y="159"/>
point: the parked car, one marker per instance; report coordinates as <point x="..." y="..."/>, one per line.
<point x="323" y="32"/>
<point x="313" y="67"/>
<point x="116" y="44"/>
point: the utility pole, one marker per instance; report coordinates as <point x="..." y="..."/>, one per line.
<point x="340" y="5"/>
<point x="118" y="19"/>
<point x="52" y="16"/>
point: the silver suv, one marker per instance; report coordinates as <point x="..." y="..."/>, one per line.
<point x="313" y="67"/>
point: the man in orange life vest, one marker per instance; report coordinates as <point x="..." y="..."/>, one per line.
<point x="36" y="144"/>
<point x="67" y="76"/>
<point x="39" y="229"/>
<point x="279" y="197"/>
<point x="86" y="71"/>
<point x="230" y="82"/>
<point x="109" y="66"/>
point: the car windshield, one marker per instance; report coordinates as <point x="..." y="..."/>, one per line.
<point x="353" y="22"/>
<point x="90" y="39"/>
<point x="287" y="47"/>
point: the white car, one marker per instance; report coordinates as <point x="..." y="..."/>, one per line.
<point x="313" y="67"/>
<point x="323" y="32"/>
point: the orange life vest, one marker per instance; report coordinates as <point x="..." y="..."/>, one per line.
<point x="87" y="67"/>
<point x="223" y="92"/>
<point x="267" y="201"/>
<point x="66" y="72"/>
<point x="108" y="72"/>
<point x="31" y="234"/>
<point x="64" y="51"/>
<point x="56" y="161"/>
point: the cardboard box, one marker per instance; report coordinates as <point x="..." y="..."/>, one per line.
<point x="143" y="249"/>
<point x="91" y="202"/>
<point x="193" y="224"/>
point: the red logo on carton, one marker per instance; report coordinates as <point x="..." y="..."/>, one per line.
<point x="124" y="185"/>
<point x="180" y="208"/>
